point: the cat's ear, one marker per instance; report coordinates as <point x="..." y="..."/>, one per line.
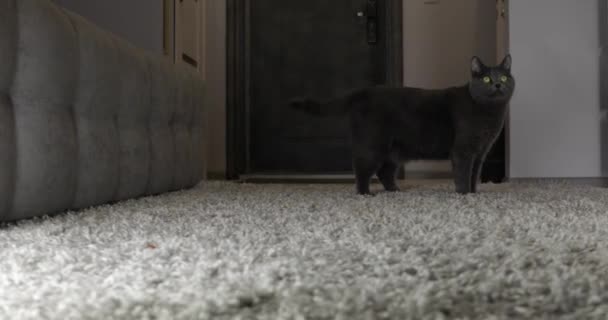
<point x="506" y="63"/>
<point x="476" y="65"/>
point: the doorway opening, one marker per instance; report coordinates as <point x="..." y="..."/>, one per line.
<point x="280" y="49"/>
<point x="439" y="39"/>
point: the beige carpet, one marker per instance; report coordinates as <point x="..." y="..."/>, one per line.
<point x="244" y="251"/>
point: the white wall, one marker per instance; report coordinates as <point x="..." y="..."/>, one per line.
<point x="138" y="21"/>
<point x="555" y="113"/>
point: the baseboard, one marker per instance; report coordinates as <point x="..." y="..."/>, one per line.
<point x="216" y="176"/>
<point x="349" y="178"/>
<point x="332" y="178"/>
<point x="596" y="182"/>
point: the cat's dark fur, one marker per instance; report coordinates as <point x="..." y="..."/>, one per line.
<point x="392" y="125"/>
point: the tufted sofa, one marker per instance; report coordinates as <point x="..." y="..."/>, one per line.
<point x="88" y="119"/>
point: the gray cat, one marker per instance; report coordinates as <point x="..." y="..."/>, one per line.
<point x="393" y="125"/>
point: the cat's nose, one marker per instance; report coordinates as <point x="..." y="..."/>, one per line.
<point x="498" y="86"/>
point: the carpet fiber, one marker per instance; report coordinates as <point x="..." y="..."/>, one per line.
<point x="245" y="251"/>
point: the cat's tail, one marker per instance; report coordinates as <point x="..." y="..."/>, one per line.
<point x="334" y="107"/>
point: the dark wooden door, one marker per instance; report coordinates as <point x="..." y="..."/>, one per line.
<point x="315" y="48"/>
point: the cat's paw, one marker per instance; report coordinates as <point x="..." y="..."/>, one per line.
<point x="392" y="189"/>
<point x="366" y="194"/>
<point x="463" y="192"/>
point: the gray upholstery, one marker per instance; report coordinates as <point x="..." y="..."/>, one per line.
<point x="86" y="118"/>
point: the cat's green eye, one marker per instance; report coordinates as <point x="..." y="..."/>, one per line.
<point x="486" y="79"/>
<point x="504" y="78"/>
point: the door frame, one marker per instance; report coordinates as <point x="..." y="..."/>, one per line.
<point x="503" y="48"/>
<point x="238" y="76"/>
<point x="603" y="33"/>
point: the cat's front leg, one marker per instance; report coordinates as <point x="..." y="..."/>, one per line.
<point x="476" y="172"/>
<point x="478" y="162"/>
<point x="462" y="167"/>
<point x="365" y="167"/>
<point x="387" y="175"/>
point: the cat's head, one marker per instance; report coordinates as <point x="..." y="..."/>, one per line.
<point x="491" y="84"/>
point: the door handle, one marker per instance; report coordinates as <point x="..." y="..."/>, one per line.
<point x="372" y="21"/>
